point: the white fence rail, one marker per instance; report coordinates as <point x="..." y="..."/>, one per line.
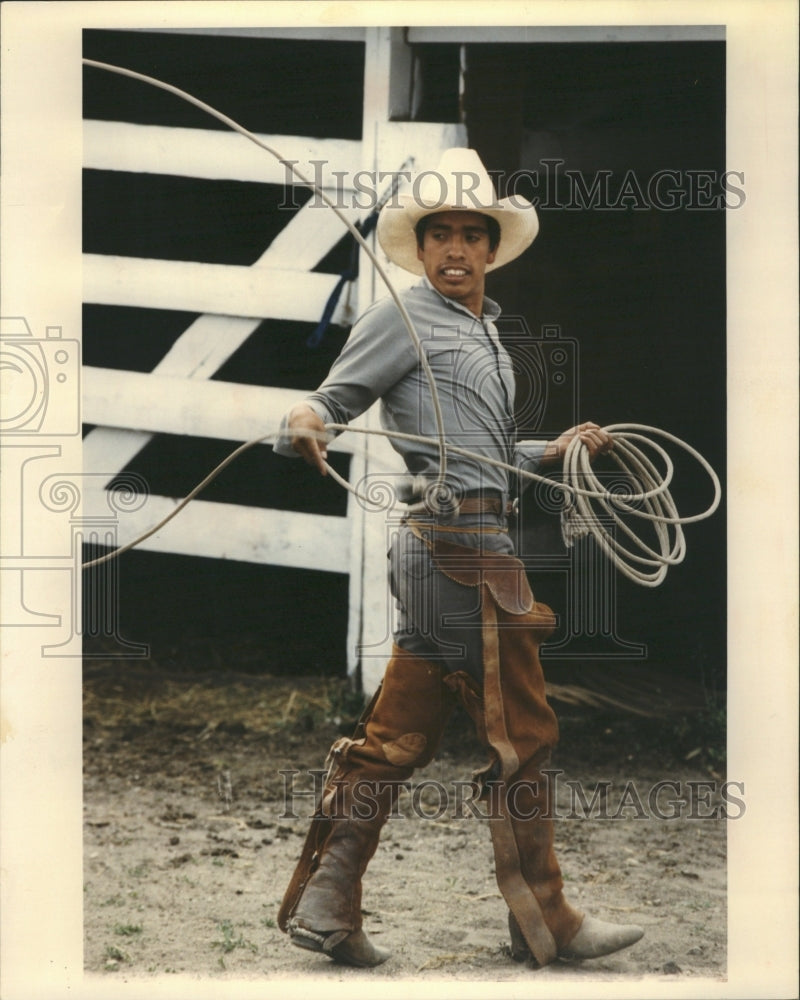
<point x="225" y="411"/>
<point x="220" y="289"/>
<point x="216" y="155"/>
<point x="246" y="534"/>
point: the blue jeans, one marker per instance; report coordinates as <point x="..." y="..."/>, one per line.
<point x="437" y="618"/>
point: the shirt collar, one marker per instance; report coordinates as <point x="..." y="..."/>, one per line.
<point x="491" y="310"/>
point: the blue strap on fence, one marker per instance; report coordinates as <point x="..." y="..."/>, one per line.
<point x="349" y="274"/>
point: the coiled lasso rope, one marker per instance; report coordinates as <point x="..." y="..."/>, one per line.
<point x="580" y="485"/>
<point x="646" y="566"/>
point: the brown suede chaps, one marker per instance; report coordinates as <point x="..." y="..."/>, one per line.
<point x="400" y="731"/>
<point x="514" y="720"/>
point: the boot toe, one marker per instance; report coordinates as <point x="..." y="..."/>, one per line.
<point x="358" y="950"/>
<point x="596" y="938"/>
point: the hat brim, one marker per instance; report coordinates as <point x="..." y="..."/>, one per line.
<point x="517" y="218"/>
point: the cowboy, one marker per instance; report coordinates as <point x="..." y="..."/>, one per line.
<point x="468" y="627"/>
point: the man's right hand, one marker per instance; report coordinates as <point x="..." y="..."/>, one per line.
<point x="307" y="436"/>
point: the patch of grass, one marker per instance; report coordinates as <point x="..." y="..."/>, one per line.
<point x="247" y="702"/>
<point x="346" y="705"/>
<point x="230" y="940"/>
<point x="698" y="738"/>
<point x="704" y="734"/>
<point x="699" y="904"/>
<point x="127" y="930"/>
<point x="116" y="954"/>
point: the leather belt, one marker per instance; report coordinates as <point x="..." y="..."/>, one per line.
<point x="469" y="505"/>
<point x="480" y="505"/>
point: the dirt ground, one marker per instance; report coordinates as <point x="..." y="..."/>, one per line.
<point x="189" y="842"/>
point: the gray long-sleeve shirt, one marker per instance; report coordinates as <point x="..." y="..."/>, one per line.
<point x="473" y="375"/>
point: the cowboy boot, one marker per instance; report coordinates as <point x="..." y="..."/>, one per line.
<point x="576" y="936"/>
<point x="400" y="731"/>
<point x="514" y="720"/>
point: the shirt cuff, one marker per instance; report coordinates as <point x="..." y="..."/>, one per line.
<point x="282" y="445"/>
<point x="528" y="458"/>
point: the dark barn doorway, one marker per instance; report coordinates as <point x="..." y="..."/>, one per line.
<point x="622" y="148"/>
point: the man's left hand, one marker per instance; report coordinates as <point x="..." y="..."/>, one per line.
<point x="596" y="440"/>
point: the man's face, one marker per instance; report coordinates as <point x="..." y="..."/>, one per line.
<point x="455" y="253"/>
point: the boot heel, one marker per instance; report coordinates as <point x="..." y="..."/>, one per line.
<point x="520" y="951"/>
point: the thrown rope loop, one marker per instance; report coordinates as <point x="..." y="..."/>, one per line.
<point x="580" y="485"/>
<point x="231" y="123"/>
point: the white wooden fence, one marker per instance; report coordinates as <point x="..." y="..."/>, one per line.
<point x="178" y="398"/>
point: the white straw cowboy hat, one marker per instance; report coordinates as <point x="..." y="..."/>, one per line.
<point x="460" y="183"/>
